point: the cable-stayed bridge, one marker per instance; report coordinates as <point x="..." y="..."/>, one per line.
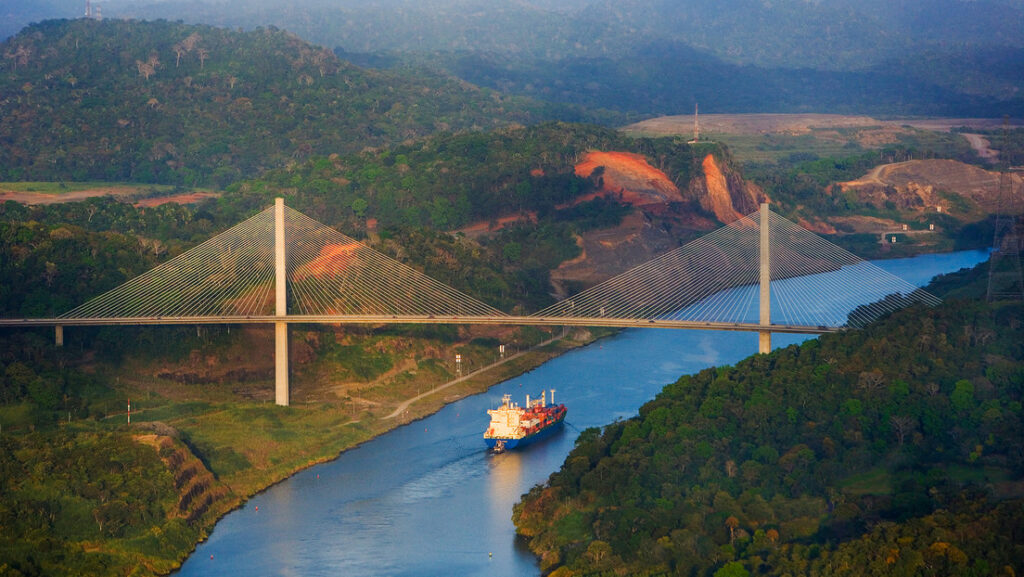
<point x="761" y="273"/>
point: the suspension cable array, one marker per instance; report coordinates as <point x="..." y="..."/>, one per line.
<point x="231" y="274"/>
<point x="715" y="279"/>
<point x="328" y="273"/>
<point x="332" y="274"/>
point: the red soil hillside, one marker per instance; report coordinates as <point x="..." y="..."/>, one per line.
<point x="630" y="175"/>
<point x="719" y="199"/>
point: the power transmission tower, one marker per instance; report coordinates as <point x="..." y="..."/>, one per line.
<point x="1005" y="278"/>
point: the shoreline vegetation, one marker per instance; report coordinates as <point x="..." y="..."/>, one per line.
<point x="868" y="449"/>
<point x="205" y="456"/>
<point x="418" y="408"/>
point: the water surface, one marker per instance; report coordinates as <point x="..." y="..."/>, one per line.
<point x="425" y="499"/>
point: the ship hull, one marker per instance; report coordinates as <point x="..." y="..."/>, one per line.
<point x="512" y="443"/>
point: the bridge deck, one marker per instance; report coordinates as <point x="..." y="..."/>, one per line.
<point x="426" y="319"/>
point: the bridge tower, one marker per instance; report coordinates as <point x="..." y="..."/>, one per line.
<point x="280" y="309"/>
<point x="765" y="336"/>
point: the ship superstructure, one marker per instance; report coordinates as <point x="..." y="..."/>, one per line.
<point x="513" y="425"/>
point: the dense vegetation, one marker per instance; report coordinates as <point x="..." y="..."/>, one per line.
<point x="866" y="453"/>
<point x="449" y="181"/>
<point x="86" y="504"/>
<point x="169" y="103"/>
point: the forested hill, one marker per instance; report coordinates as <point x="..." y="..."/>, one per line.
<point x="895" y="450"/>
<point x="179" y="104"/>
<point x="448" y="181"/>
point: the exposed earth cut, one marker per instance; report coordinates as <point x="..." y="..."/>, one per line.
<point x="664" y="214"/>
<point x="966" y="191"/>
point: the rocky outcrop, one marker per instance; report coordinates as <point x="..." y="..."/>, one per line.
<point x="723" y="192"/>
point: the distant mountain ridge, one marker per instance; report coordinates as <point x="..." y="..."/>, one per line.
<point x="905" y="57"/>
<point x="827" y="34"/>
<point x="933" y="57"/>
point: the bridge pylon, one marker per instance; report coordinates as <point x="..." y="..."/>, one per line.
<point x="281" y="387"/>
<point x="764" y="344"/>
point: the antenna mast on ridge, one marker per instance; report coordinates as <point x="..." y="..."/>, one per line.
<point x="696" y="125"/>
<point x="88" y="9"/>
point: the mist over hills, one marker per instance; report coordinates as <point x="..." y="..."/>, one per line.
<point x="901" y="57"/>
<point x="829" y="34"/>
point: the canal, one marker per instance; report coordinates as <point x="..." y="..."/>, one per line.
<point x="426" y="500"/>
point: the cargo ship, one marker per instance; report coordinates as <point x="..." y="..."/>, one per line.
<point x="514" y="426"/>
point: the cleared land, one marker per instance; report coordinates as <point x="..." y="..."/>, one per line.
<point x="58" y="192"/>
<point x="770" y="137"/>
<point x="796" y="123"/>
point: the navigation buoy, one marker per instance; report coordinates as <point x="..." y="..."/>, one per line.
<point x="211" y="557"/>
<point x="257" y="508"/>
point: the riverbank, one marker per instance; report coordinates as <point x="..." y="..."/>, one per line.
<point x="250" y="447"/>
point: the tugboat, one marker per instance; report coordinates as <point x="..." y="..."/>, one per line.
<point x="514" y="426"/>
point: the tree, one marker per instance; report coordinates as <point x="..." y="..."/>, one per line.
<point x="962" y="397"/>
<point x="732" y="569"/>
<point x="179" y="49"/>
<point x="732" y="523"/>
<point x="145" y="69"/>
<point x="902" y="425"/>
